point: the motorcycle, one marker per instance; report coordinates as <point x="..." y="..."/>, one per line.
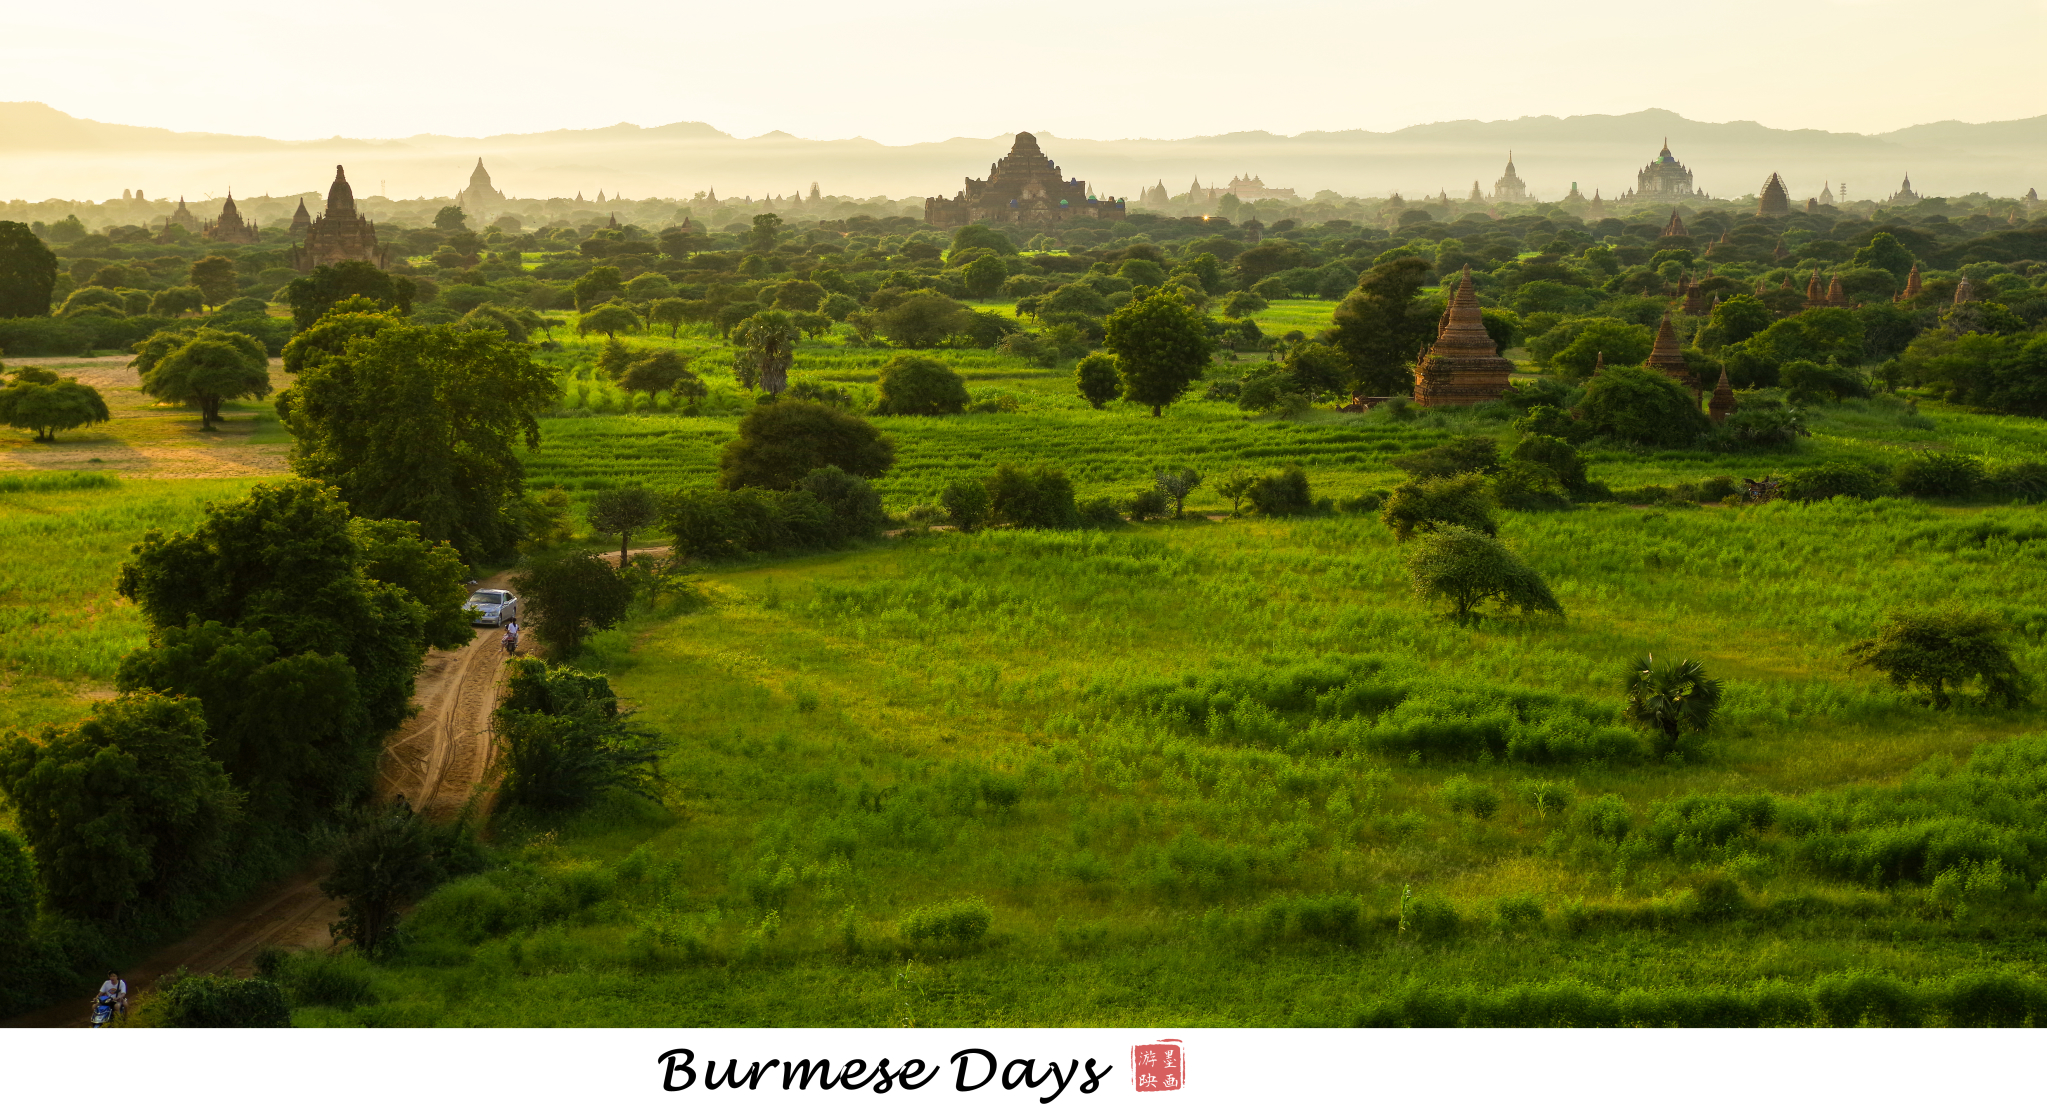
<point x="511" y="642"/>
<point x="102" y="1011"/>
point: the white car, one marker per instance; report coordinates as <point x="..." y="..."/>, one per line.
<point x="492" y="607"/>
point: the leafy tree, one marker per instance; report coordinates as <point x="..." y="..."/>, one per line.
<point x="1161" y="345"/>
<point x="570" y="597"/>
<point x="1282" y="494"/>
<point x="1142" y="273"/>
<point x="614" y="359"/>
<point x="1099" y="378"/>
<point x="922" y="319"/>
<point x="1432" y="504"/>
<point x="600" y="284"/>
<point x="984" y="277"/>
<point x="1177" y="485"/>
<point x="1816" y="334"/>
<point x="799" y="296"/>
<point x="608" y="318"/>
<point x="1621" y="344"/>
<point x="1641" y="406"/>
<point x="1458" y="456"/>
<point x="1381" y="325"/>
<point x="966" y="505"/>
<point x="625" y="511"/>
<point x="920" y="385"/>
<point x="40" y="401"/>
<point x="1806" y="382"/>
<point x="779" y="444"/>
<point x="1672" y="699"/>
<point x="28" y="272"/>
<point x="1314" y="368"/>
<point x="981" y="235"/>
<point x="204" y="369"/>
<point x="1734" y="320"/>
<point x="565" y="740"/>
<point x="765" y="345"/>
<point x="312" y="296"/>
<point x="123" y="809"/>
<point x="214" y="278"/>
<point x="666" y="369"/>
<point x="1244" y="304"/>
<point x="17" y="887"/>
<point x="671" y="311"/>
<point x="855" y="505"/>
<point x="176" y="301"/>
<point x="1557" y="455"/>
<point x="389" y="859"/>
<point x="767" y="228"/>
<point x="216" y="1000"/>
<point x="1234" y="487"/>
<point x="1886" y="253"/>
<point x="1942" y="649"/>
<point x="417" y="423"/>
<point x="451" y="219"/>
<point x="1075" y="297"/>
<point x="1469" y="568"/>
<point x="1039" y="497"/>
<point x="298" y="630"/>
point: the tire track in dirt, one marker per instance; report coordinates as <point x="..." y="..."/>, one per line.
<point x="436" y="760"/>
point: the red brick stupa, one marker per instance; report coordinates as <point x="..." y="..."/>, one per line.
<point x="1667" y="357"/>
<point x="1463" y="365"/>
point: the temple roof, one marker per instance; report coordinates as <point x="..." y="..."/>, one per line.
<point x="340" y="198"/>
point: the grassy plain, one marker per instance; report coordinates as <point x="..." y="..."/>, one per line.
<point x="1197" y="771"/>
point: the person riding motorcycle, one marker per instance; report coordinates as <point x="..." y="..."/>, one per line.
<point x="116" y="990"/>
<point x="511" y="638"/>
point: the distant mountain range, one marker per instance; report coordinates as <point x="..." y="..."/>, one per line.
<point x="45" y="153"/>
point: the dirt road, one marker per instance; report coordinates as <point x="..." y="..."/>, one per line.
<point x="435" y="760"/>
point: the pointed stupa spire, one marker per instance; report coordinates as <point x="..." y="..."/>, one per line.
<point x="1723" y="402"/>
<point x="1912" y="284"/>
<point x="1667" y="356"/>
<point x="1464" y="364"/>
<point x="1813" y="294"/>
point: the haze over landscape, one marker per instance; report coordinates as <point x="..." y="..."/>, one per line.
<point x="49" y="153"/>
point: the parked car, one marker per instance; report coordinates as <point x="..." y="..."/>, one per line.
<point x="492" y="607"/>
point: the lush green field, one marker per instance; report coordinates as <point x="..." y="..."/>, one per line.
<point x="1196" y="770"/>
<point x="1170" y="758"/>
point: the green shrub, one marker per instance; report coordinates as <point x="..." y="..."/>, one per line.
<point x="1464" y="454"/>
<point x="1431" y="504"/>
<point x="1283" y="494"/>
<point x="1148" y="504"/>
<point x="1467" y="796"/>
<point x="918" y="385"/>
<point x="2021" y="481"/>
<point x="1036" y="498"/>
<point x="1468" y="569"/>
<point x="313" y="978"/>
<point x="1939" y="475"/>
<point x="1833" y="479"/>
<point x="1429" y="919"/>
<point x="1519" y="913"/>
<point x="1524" y="485"/>
<point x="207" y="1000"/>
<point x="966" y="505"/>
<point x="1606" y="818"/>
<point x="1635" y="405"/>
<point x="1556" y="454"/>
<point x="958" y="923"/>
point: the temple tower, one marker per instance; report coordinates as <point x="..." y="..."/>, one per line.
<point x="1510" y="187"/>
<point x="1912" y="285"/>
<point x="1723" y="402"/>
<point x="1676" y="227"/>
<point x="301" y="220"/>
<point x="340" y="234"/>
<point x="230" y="228"/>
<point x="1774" y="200"/>
<point x="1668" y="357"/>
<point x="1464" y="365"/>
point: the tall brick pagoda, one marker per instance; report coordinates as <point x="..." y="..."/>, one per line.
<point x="1463" y="366"/>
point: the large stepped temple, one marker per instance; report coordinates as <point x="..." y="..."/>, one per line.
<point x="1023" y="188"/>
<point x="230" y="228"/>
<point x="339" y="234"/>
<point x="1464" y="365"/>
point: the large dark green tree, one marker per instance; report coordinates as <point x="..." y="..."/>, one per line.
<point x="569" y="597"/>
<point x="28" y="272"/>
<point x="780" y="443"/>
<point x="624" y="511"/>
<point x="417" y="423"/>
<point x="123" y="810"/>
<point x="214" y="278"/>
<point x="1161" y="345"/>
<point x="1939" y="651"/>
<point x="39" y="400"/>
<point x="299" y="631"/>
<point x="1382" y="324"/>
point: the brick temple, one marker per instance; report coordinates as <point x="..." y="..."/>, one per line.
<point x="1025" y="187"/>
<point x="1464" y="365"/>
<point x="339" y="234"/>
<point x="230" y="228"/>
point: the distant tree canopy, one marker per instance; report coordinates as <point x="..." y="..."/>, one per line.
<point x="778" y="444"/>
<point x="28" y="272"/>
<point x="417" y="423"/>
<point x="451" y="218"/>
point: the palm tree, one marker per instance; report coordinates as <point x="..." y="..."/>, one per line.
<point x="767" y="341"/>
<point x="1671" y="698"/>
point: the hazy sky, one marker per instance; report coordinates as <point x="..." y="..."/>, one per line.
<point x="903" y="71"/>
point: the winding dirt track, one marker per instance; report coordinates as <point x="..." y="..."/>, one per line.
<point x="436" y="760"/>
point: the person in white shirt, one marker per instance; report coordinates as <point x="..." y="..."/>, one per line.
<point x="117" y="988"/>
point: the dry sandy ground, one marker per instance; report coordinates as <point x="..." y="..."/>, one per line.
<point x="160" y="441"/>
